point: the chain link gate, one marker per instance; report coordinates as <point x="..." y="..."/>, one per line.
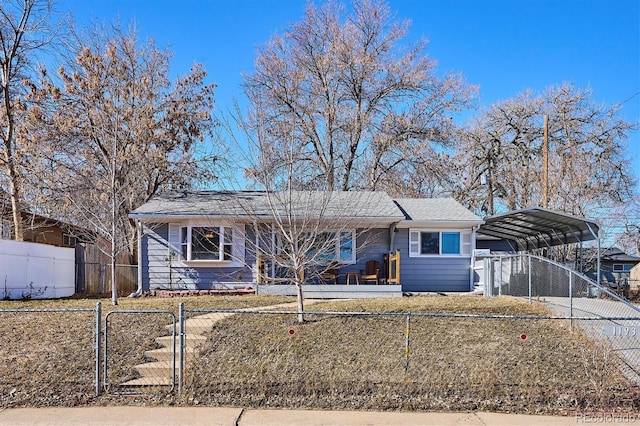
<point x="140" y="355"/>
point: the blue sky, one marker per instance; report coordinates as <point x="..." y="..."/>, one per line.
<point x="504" y="46"/>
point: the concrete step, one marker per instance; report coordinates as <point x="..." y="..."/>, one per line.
<point x="165" y="354"/>
<point x="190" y="340"/>
<point x="149" y="381"/>
<point x="195" y="326"/>
<point x="155" y="369"/>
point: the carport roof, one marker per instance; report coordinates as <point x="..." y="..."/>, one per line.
<point x="536" y="227"/>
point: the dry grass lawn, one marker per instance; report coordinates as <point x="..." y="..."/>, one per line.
<point x="330" y="361"/>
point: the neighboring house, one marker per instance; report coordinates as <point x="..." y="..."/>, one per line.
<point x="615" y="264"/>
<point x="207" y="239"/>
<point x="38" y="228"/>
<point x="91" y="273"/>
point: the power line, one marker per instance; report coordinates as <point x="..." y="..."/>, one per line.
<point x="631" y="97"/>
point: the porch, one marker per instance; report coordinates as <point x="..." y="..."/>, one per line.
<point x="331" y="276"/>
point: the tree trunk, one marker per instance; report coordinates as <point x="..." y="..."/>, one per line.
<point x="14" y="188"/>
<point x="300" y="301"/>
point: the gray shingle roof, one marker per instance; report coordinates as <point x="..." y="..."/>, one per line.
<point x="435" y="209"/>
<point x="234" y="204"/>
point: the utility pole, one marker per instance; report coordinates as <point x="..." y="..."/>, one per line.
<point x="545" y="161"/>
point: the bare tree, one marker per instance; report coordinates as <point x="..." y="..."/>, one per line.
<point x="298" y="236"/>
<point x="500" y="155"/>
<point x="360" y="102"/>
<point x="591" y="166"/>
<point x="622" y="220"/>
<point x="119" y="131"/>
<point x="25" y="29"/>
<point x="301" y="235"/>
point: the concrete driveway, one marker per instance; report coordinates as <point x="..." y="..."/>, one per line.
<point x="616" y="324"/>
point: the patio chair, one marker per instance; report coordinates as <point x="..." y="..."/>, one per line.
<point x="331" y="273"/>
<point x="371" y="272"/>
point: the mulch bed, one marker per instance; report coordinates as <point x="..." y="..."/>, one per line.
<point x="186" y="293"/>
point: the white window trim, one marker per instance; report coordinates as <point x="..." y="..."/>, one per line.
<point x="415" y="236"/>
<point x="353" y="247"/>
<point x="175" y="244"/>
<point x="623" y="267"/>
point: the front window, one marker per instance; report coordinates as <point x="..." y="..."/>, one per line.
<point x="346" y="252"/>
<point x="212" y="243"/>
<point x="429" y="243"/>
<point x="435" y="243"/>
<point x="333" y="246"/>
<point x="450" y="242"/>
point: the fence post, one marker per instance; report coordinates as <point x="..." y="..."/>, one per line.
<point x="530" y="266"/>
<point x="180" y="345"/>
<point x="98" y="319"/>
<point x="406" y="343"/>
<point x="570" y="301"/>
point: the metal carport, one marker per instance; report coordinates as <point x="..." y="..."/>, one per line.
<point x="536" y="227"/>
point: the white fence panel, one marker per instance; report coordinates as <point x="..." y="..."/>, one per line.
<point x="35" y="271"/>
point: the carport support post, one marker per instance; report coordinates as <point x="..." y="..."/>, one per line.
<point x="98" y="345"/>
<point x="500" y="281"/>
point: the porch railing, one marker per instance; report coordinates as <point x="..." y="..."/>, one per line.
<point x="393" y="276"/>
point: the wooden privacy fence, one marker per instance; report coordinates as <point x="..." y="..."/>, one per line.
<point x="93" y="272"/>
<point x="97" y="278"/>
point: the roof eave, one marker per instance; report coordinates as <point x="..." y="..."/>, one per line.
<point x="171" y="217"/>
<point x="439" y="223"/>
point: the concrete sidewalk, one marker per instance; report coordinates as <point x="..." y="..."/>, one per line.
<point x="160" y="416"/>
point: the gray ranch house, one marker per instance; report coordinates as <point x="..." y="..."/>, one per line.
<point x="362" y="244"/>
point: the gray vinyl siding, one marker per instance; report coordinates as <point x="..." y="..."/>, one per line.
<point x="435" y="273"/>
<point x="156" y="273"/>
<point x="371" y="244"/>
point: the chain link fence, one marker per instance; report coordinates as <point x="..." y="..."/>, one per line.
<point x="61" y="362"/>
<point x="603" y="313"/>
<point x="389" y="361"/>
<point x="334" y="360"/>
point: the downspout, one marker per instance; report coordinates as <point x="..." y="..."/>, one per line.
<point x="138" y="292"/>
<point x="392" y="235"/>
<point x="473" y="256"/>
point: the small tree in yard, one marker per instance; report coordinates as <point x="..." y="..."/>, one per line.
<point x="304" y="233"/>
<point x="118" y="132"/>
